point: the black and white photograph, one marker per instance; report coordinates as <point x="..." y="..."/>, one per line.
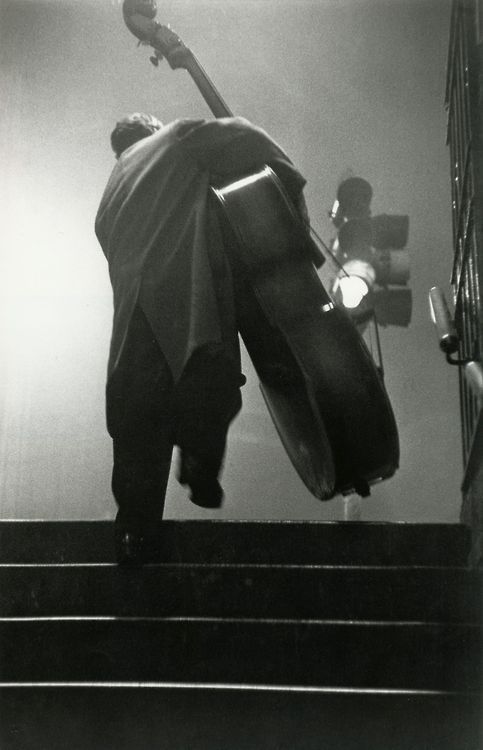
<point x="241" y="381"/>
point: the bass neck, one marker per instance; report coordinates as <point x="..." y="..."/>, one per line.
<point x="206" y="87"/>
<point x="166" y="44"/>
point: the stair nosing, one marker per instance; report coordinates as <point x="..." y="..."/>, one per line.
<point x="332" y="622"/>
<point x="208" y="565"/>
<point x="233" y="686"/>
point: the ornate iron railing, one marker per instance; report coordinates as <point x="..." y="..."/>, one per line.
<point x="464" y="101"/>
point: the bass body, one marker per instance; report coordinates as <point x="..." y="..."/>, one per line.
<point x="323" y="390"/>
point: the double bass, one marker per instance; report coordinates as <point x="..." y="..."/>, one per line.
<point x="321" y="385"/>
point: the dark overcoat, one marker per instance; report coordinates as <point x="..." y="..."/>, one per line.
<point x="157" y="228"/>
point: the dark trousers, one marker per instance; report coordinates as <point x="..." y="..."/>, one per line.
<point x="147" y="415"/>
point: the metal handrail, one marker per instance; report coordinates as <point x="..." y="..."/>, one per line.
<point x="463" y="102"/>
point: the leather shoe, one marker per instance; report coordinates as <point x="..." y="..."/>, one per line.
<point x="206" y="491"/>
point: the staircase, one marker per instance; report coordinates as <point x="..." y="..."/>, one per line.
<point x="244" y="636"/>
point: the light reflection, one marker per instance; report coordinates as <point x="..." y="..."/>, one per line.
<point x="353" y="290"/>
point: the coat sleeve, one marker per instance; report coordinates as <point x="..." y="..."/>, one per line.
<point x="232" y="146"/>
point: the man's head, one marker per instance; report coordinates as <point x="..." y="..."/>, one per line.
<point x="131" y="129"/>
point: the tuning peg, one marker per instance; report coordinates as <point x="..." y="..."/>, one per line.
<point x="156" y="58"/>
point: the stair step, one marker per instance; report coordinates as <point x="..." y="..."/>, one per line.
<point x="286" y="635"/>
<point x="281" y="542"/>
<point x="431" y="594"/>
<point x="274" y="652"/>
<point x="182" y="718"/>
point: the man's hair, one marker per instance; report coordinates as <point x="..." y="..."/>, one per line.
<point x="131" y="129"/>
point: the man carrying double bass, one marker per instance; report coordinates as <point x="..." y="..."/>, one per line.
<point x="174" y="372"/>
